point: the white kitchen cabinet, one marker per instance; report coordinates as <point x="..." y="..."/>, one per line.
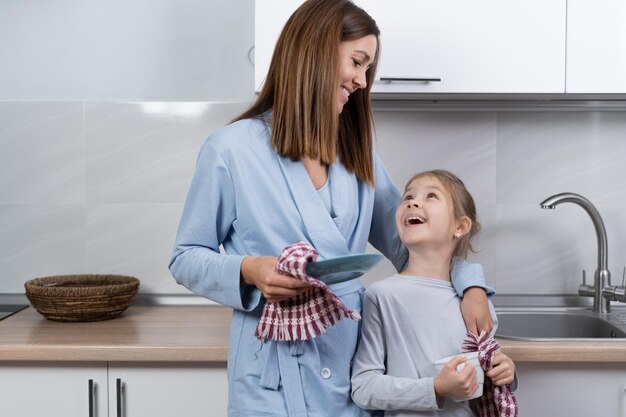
<point x="483" y="46"/>
<point x="156" y="390"/>
<point x="571" y="389"/>
<point x="596" y="46"/>
<point x="52" y="389"/>
<point x="118" y="50"/>
<point x="269" y="18"/>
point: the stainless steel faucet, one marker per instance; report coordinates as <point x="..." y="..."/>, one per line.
<point x="602" y="291"/>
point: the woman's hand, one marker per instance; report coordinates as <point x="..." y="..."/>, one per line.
<point x="460" y="384"/>
<point x="260" y="271"/>
<point x="503" y="370"/>
<point x="475" y="310"/>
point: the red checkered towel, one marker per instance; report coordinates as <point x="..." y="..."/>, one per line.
<point x="309" y="314"/>
<point x="495" y="401"/>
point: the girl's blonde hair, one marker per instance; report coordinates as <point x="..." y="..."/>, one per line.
<point x="301" y="88"/>
<point x="462" y="205"/>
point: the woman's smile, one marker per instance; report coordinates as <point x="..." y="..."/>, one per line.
<point x="355" y="58"/>
<point x="346" y="94"/>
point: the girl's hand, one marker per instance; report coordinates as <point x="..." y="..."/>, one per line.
<point x="475" y="311"/>
<point x="460" y="384"/>
<point x="260" y="271"/>
<point x="503" y="371"/>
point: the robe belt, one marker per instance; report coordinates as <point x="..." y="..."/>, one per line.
<point x="282" y="364"/>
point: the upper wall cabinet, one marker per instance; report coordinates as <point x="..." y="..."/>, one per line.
<point x="450" y="46"/>
<point x="269" y="18"/>
<point x="596" y="46"/>
<point x="119" y="50"/>
<point x="460" y="46"/>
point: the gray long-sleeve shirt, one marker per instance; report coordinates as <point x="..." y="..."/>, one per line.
<point x="408" y="323"/>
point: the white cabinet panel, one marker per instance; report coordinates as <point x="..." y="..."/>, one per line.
<point x="118" y="50"/>
<point x="571" y="389"/>
<point x="52" y="389"/>
<point x="482" y="46"/>
<point x="269" y="18"/>
<point x="61" y="389"/>
<point x="165" y="390"/>
<point x="596" y="46"/>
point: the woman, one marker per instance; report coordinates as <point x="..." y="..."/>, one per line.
<point x="297" y="166"/>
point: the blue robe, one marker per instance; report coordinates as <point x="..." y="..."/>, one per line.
<point x="253" y="202"/>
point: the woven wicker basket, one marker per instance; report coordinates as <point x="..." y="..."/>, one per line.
<point x="81" y="297"/>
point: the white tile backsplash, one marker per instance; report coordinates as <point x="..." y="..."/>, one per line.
<point x="99" y="187"/>
<point x="39" y="240"/>
<point x="541" y="154"/>
<point x="42" y="153"/>
<point x="146" y="152"/>
<point x="535" y="252"/>
<point x="133" y="239"/>
<point x="461" y="142"/>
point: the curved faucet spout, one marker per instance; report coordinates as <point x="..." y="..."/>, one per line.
<point x="602" y="277"/>
<point x="555" y="200"/>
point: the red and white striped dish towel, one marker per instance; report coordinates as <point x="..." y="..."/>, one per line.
<point x="495" y="401"/>
<point x="309" y="314"/>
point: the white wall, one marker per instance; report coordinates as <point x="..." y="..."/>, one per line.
<point x="94" y="168"/>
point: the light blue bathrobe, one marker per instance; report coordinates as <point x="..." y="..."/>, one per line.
<point x="253" y="202"/>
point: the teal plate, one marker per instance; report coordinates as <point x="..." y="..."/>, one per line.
<point x="343" y="268"/>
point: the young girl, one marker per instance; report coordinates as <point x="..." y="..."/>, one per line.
<point x="412" y="319"/>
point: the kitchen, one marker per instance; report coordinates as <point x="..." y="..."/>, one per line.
<point x="105" y="105"/>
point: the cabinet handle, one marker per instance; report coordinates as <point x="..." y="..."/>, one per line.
<point x="92" y="388"/>
<point x="421" y="80"/>
<point x="119" y="397"/>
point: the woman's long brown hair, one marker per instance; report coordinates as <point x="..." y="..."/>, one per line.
<point x="301" y="89"/>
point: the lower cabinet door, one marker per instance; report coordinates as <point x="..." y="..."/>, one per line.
<point x="167" y="389"/>
<point x="53" y="389"/>
<point x="571" y="389"/>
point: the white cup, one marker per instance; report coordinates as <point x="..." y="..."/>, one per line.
<point x="472" y="358"/>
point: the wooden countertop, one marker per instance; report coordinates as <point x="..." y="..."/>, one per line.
<point x="200" y="334"/>
<point x="581" y="352"/>
<point x="170" y="333"/>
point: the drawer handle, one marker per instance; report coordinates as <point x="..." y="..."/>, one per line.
<point x="420" y="80"/>
<point x="120" y="388"/>
<point x="92" y="388"/>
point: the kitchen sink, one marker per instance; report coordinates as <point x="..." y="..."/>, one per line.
<point x="561" y="325"/>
